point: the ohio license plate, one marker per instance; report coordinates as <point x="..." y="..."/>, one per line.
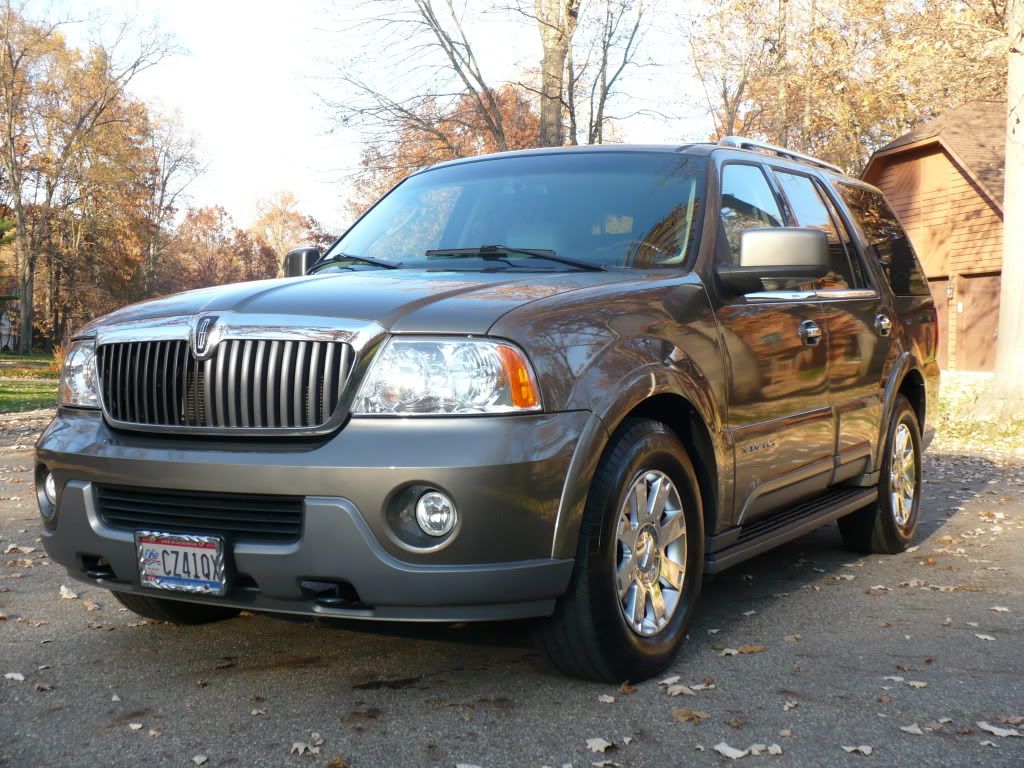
<point x="181" y="562"/>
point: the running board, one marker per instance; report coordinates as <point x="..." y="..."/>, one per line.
<point x="738" y="544"/>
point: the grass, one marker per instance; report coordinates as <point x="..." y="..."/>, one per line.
<point x="34" y="366"/>
<point x="18" y="396"/>
<point x="35" y="357"/>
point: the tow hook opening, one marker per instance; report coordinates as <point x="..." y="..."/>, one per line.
<point x="332" y="594"/>
<point x="96" y="567"/>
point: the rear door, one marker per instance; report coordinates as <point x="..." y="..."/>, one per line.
<point x="779" y="417"/>
<point x="859" y="330"/>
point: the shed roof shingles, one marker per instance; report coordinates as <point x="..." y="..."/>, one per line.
<point x="976" y="132"/>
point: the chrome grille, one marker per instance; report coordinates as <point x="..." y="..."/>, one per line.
<point x="245" y="383"/>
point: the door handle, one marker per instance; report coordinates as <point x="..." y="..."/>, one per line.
<point x="883" y="325"/>
<point x="810" y="333"/>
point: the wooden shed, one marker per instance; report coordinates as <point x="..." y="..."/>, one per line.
<point x="945" y="181"/>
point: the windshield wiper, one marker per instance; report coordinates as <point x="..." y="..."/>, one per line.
<point x="349" y="257"/>
<point x="499" y="252"/>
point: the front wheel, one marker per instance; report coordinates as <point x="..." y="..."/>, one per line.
<point x="887" y="527"/>
<point x="639" y="562"/>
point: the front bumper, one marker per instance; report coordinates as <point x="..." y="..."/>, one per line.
<point x="505" y="474"/>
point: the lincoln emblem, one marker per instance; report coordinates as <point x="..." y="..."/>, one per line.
<point x="202" y="335"/>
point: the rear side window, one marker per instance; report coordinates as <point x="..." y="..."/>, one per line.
<point x="808" y="206"/>
<point x="887" y="242"/>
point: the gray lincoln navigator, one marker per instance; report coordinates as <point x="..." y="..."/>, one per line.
<point x="558" y="384"/>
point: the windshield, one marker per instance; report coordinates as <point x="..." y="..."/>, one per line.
<point x="624" y="209"/>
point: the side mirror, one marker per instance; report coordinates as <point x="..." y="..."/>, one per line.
<point x="776" y="253"/>
<point x="298" y="262"/>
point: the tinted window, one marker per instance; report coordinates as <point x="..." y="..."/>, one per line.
<point x="622" y="209"/>
<point x="886" y="240"/>
<point x="810" y="211"/>
<point x="747" y="202"/>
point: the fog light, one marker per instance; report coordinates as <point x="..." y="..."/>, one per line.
<point x="50" y="488"/>
<point x="435" y="514"/>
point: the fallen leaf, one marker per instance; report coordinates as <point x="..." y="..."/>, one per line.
<point x="153" y="732"/>
<point x="914" y="729"/>
<point x="917" y="684"/>
<point x="627" y="688"/>
<point x="606" y="699"/>
<point x="302" y="748"/>
<point x="987" y="743"/>
<point x="948" y="622"/>
<point x="774" y="749"/>
<point x="750" y="648"/>
<point x="90" y="605"/>
<point x="749" y="613"/>
<point x="792" y="638"/>
<point x="43" y="687"/>
<point x="16" y="676"/>
<point x="690" y="715"/>
<point x="981" y="636"/>
<point x="863" y="749"/>
<point x="731" y="752"/>
<point x="995" y="730"/>
<point x="670" y="680"/>
<point x="894" y="678"/>
<point x="790" y="705"/>
<point x="135" y="726"/>
<point x="67" y="594"/>
<point x="786" y="733"/>
<point x="598" y="744"/>
<point x="729" y="652"/>
<point x="115" y="697"/>
<point x="200" y="759"/>
<point x="258" y="712"/>
<point x="680" y="690"/>
<point x="999" y="609"/>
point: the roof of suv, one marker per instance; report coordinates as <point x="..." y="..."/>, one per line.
<point x="694" y="148"/>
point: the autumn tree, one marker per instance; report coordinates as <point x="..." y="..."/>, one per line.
<point x="280" y="224"/>
<point x="838" y="78"/>
<point x="1008" y="382"/>
<point x="556" y="22"/>
<point x="54" y="100"/>
<point x="173" y="163"/>
<point x="455" y="132"/>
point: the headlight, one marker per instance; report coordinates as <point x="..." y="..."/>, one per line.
<point x="418" y="377"/>
<point x="78" y="385"/>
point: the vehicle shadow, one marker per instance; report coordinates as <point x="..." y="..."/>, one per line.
<point x="811" y="563"/>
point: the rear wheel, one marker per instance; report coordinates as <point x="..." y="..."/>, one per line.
<point x="888" y="526"/>
<point x="174" y="611"/>
<point x="639" y="563"/>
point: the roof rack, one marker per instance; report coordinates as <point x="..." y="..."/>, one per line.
<point x="759" y="146"/>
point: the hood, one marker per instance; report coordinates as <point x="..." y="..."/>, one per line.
<point x="402" y="301"/>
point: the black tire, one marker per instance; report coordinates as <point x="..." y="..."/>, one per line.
<point x="588" y="635"/>
<point x="174" y="611"/>
<point x="877" y="529"/>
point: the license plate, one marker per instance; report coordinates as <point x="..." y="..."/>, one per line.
<point x="181" y="562"/>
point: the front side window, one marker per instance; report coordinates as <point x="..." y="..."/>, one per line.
<point x="809" y="209"/>
<point x="747" y="202"/>
<point x="887" y="242"/>
<point x="609" y="209"/>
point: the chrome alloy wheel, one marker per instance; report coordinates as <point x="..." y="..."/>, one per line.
<point x="650" y="564"/>
<point x="902" y="475"/>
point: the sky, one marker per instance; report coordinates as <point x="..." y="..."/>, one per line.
<point x="252" y="79"/>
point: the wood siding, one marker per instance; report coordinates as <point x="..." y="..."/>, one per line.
<point x="957" y="231"/>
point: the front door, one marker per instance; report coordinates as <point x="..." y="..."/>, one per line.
<point x="776" y="350"/>
<point x="859" y="327"/>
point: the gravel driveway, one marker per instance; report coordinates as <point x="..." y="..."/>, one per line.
<point x="809" y="650"/>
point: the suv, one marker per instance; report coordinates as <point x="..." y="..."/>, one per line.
<point x="563" y="384"/>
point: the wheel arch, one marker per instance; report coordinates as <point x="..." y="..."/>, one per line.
<point x="682" y="415"/>
<point x="905" y="379"/>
